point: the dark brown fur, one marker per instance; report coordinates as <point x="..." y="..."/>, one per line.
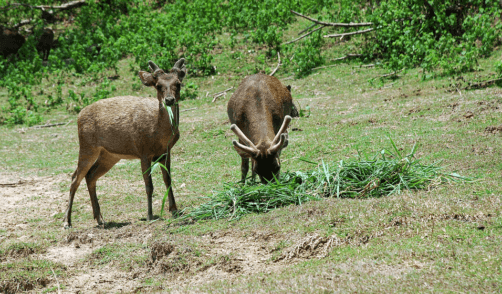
<point x="258" y="108"/>
<point x="129" y="128"/>
<point x="45" y="43"/>
<point x="10" y="41"/>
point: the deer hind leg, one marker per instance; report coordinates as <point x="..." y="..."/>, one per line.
<point x="86" y="158"/>
<point x="102" y="165"/>
<point x="166" y="175"/>
<point x="146" y="163"/>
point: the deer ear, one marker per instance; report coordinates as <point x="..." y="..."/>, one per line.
<point x="146" y="78"/>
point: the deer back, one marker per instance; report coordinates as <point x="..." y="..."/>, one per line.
<point x="258" y="107"/>
<point x="128" y="126"/>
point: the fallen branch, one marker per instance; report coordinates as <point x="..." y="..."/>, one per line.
<point x="57" y="281"/>
<point x="22" y="23"/>
<point x="482" y="84"/>
<point x="51" y="125"/>
<point x="349" y="34"/>
<point x="303" y="36"/>
<point x="332" y="24"/>
<point x="222" y="93"/>
<point x="66" y="6"/>
<point x="188" y="109"/>
<point x="278" y="64"/>
<point x="391" y="74"/>
<point x="347" y="56"/>
<point x="313" y="25"/>
<point x="20" y="182"/>
<point x="333" y="65"/>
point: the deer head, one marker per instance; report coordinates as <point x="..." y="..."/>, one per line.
<point x="168" y="85"/>
<point x="266" y="162"/>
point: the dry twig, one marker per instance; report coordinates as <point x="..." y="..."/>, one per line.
<point x="303" y="36"/>
<point x="222" y="93"/>
<point x="332" y="24"/>
<point x="349" y="34"/>
<point x="51" y="125"/>
<point x="278" y="64"/>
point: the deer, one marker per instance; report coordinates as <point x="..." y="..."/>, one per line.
<point x="130" y="127"/>
<point x="260" y="113"/>
<point x="45" y="43"/>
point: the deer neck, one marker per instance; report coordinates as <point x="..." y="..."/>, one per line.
<point x="164" y="115"/>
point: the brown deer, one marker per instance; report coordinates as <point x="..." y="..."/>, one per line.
<point x="10" y="41"/>
<point x="259" y="111"/>
<point x="45" y="43"/>
<point x="129" y="128"/>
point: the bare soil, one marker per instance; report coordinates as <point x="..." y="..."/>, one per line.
<point x="223" y="255"/>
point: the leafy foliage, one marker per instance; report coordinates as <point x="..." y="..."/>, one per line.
<point x="449" y="36"/>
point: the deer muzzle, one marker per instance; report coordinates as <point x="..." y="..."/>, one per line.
<point x="169" y="101"/>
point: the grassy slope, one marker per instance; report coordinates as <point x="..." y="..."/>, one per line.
<point x="428" y="248"/>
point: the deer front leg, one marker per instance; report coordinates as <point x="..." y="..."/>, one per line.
<point x="166" y="174"/>
<point x="244" y="168"/>
<point x="145" y="168"/>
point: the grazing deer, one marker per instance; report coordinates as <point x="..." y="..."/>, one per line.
<point x="45" y="43"/>
<point x="259" y="111"/>
<point x="10" y="41"/>
<point x="129" y="128"/>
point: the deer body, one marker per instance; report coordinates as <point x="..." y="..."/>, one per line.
<point x="139" y="126"/>
<point x="129" y="127"/>
<point x="259" y="111"/>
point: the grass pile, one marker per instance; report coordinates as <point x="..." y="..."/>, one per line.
<point x="384" y="174"/>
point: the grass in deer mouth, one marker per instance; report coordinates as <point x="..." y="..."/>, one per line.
<point x="386" y="173"/>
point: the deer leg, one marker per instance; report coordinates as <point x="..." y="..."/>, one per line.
<point x="166" y="174"/>
<point x="244" y="168"/>
<point x="145" y="168"/>
<point x="85" y="160"/>
<point x="253" y="172"/>
<point x="102" y="165"/>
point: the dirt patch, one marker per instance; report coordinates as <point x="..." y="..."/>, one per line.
<point x="25" y="198"/>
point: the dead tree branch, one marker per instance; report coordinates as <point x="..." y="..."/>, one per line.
<point x="51" y="125"/>
<point x="278" y="64"/>
<point x="222" y="93"/>
<point x="332" y="24"/>
<point x="349" y="34"/>
<point x="347" y="56"/>
<point x="66" y="6"/>
<point x="313" y="25"/>
<point x="22" y="23"/>
<point x="482" y="84"/>
<point x="303" y="36"/>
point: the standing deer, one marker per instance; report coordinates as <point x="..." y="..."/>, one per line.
<point x="259" y="111"/>
<point x="129" y="128"/>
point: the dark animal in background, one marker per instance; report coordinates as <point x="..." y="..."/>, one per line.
<point x="129" y="128"/>
<point x="10" y="41"/>
<point x="45" y="43"/>
<point x="260" y="112"/>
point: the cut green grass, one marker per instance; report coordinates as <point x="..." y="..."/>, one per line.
<point x="383" y="175"/>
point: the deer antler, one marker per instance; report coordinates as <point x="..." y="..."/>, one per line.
<point x="285" y="124"/>
<point x="252" y="147"/>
